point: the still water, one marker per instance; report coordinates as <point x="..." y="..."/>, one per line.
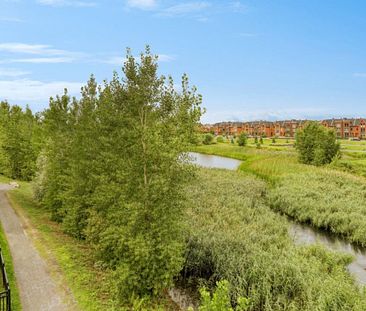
<point x="301" y="234"/>
<point x="212" y="161"/>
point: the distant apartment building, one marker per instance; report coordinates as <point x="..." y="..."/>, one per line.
<point x="344" y="128"/>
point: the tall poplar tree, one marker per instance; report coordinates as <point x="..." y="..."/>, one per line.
<point x="114" y="171"/>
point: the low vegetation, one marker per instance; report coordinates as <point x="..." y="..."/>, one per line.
<point x="325" y="198"/>
<point x="234" y="236"/>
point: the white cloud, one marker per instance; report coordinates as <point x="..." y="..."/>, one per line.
<point x="10" y="19"/>
<point x="45" y="53"/>
<point x="35" y="49"/>
<point x="237" y="6"/>
<point x="360" y="74"/>
<point x="24" y="90"/>
<point x="185" y="8"/>
<point x="61" y="3"/>
<point x="42" y="60"/>
<point x="142" y="4"/>
<point x="165" y="58"/>
<point x="11" y="72"/>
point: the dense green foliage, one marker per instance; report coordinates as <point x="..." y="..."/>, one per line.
<point x="113" y="172"/>
<point x="219" y="139"/>
<point x="220" y="300"/>
<point x="316" y="144"/>
<point x="236" y="237"/>
<point x="327" y="199"/>
<point x="242" y="139"/>
<point x="20" y="141"/>
<point x="208" y="139"/>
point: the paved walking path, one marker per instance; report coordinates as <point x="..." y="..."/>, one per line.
<point x="38" y="292"/>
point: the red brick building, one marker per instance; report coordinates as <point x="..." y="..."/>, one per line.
<point x="344" y="128"/>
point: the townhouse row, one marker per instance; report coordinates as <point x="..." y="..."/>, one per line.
<point x="344" y="128"/>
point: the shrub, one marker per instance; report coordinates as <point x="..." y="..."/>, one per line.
<point x="208" y="139"/>
<point x="219" y="139"/>
<point x="242" y="139"/>
<point x="316" y="144"/>
<point x="220" y="300"/>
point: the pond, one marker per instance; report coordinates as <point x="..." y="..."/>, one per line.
<point x="212" y="161"/>
<point x="301" y="234"/>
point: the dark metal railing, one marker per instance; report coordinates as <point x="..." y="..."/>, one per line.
<point x="5" y="297"/>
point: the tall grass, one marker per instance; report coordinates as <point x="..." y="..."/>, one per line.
<point x="233" y="235"/>
<point x="327" y="199"/>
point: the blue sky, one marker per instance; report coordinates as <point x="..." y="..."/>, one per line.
<point x="249" y="59"/>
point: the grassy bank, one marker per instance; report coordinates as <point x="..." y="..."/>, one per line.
<point x="234" y="235"/>
<point x="331" y="198"/>
<point x="86" y="282"/>
<point x="327" y="199"/>
<point x="267" y="164"/>
<point x="16" y="306"/>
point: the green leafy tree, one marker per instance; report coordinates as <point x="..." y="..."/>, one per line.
<point x="316" y="144"/>
<point x="256" y="140"/>
<point x="115" y="172"/>
<point x="242" y="139"/>
<point x="53" y="176"/>
<point x="261" y="140"/>
<point x="19" y="141"/>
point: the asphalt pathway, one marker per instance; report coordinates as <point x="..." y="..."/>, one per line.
<point x="38" y="291"/>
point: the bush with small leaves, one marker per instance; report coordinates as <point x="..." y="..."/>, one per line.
<point x="208" y="139"/>
<point x="219" y="139"/>
<point x="242" y="139"/>
<point x="220" y="300"/>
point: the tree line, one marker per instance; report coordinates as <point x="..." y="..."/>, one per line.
<point x="111" y="167"/>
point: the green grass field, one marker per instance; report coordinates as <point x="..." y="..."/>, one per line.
<point x="287" y="144"/>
